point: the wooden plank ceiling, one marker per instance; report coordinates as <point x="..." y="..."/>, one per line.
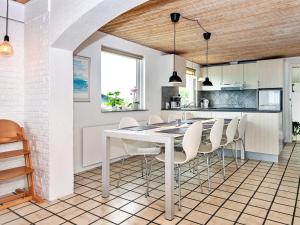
<point x="241" y="29"/>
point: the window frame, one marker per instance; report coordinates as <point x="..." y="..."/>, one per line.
<point x="140" y="77"/>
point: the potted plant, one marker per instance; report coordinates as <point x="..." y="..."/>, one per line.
<point x="135" y="102"/>
<point x="114" y="100"/>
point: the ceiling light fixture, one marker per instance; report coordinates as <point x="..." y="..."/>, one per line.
<point x="174" y="78"/>
<point x="5" y="47"/>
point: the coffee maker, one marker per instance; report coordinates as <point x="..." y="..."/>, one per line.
<point x="175" y="102"/>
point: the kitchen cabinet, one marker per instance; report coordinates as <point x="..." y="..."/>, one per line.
<point x="226" y="115"/>
<point x="215" y="76"/>
<point x="251" y="73"/>
<point x="271" y="73"/>
<point x="232" y="74"/>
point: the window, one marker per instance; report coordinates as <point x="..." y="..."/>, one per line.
<point x="121" y="80"/>
<point x="188" y="93"/>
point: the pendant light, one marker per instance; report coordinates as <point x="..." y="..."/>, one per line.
<point x="174" y="78"/>
<point x="5" y="48"/>
<point x="207" y="82"/>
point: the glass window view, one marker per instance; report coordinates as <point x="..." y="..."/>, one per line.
<point x="121" y="78"/>
<point x="188" y="93"/>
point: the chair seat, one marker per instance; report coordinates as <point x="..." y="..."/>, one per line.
<point x="144" y="151"/>
<point x="179" y="157"/>
<point x="205" y="148"/>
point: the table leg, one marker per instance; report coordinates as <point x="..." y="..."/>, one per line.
<point x="106" y="168"/>
<point x="169" y="179"/>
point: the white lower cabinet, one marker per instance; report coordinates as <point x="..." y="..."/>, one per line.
<point x="264" y="133"/>
<point x="226" y="115"/>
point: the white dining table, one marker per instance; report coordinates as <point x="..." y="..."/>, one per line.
<point x="151" y="135"/>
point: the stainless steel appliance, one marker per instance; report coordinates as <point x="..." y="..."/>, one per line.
<point x="270" y="99"/>
<point x="175" y="102"/>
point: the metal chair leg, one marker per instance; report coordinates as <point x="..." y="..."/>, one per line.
<point x="149" y="177"/>
<point x="236" y="160"/>
<point x="223" y="163"/>
<point x="142" y="167"/>
<point x="208" y="172"/>
<point x="120" y="172"/>
<point x="199" y="175"/>
<point x="179" y="188"/>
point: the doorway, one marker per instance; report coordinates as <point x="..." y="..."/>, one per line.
<point x="295" y="100"/>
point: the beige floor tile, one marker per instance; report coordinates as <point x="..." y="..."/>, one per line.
<point x="149" y="214"/>
<point x="255" y="211"/>
<point x="102" y="222"/>
<point x="135" y="221"/>
<point x="53" y="220"/>
<point x="219" y="221"/>
<point x="76" y="200"/>
<point x="239" y="198"/>
<point x="250" y="220"/>
<point x="38" y="215"/>
<point x="234" y="205"/>
<point x="4" y="218"/>
<point x="85" y="219"/>
<point x="27" y="209"/>
<point x="270" y="222"/>
<point x="187" y="222"/>
<point x="214" y="200"/>
<point x="227" y="214"/>
<point x="283" y="208"/>
<point x="59" y="207"/>
<point x="189" y="203"/>
<point x="285" y="201"/>
<point x="260" y="203"/>
<point x="207" y="208"/>
<point x="130" y="195"/>
<point x="70" y="213"/>
<point x="102" y="210"/>
<point x="18" y="222"/>
<point x="198" y="217"/>
<point x="88" y="205"/>
<point x="161" y="220"/>
<point x="132" y="207"/>
<point x="117" y="216"/>
<point x="280" y="217"/>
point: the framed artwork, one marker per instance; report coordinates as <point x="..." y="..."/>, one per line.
<point x="81" y="78"/>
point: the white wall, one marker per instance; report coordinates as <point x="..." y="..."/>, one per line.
<point x="89" y="113"/>
<point x="12" y="82"/>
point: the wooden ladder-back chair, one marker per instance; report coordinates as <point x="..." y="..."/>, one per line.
<point x="11" y="132"/>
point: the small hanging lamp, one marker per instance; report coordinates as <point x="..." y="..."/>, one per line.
<point x="207" y="82"/>
<point x="174" y="78"/>
<point x="5" y="48"/>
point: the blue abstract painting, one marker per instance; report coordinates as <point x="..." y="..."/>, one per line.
<point x="81" y="78"/>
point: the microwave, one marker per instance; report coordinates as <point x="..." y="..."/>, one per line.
<point x="270" y="99"/>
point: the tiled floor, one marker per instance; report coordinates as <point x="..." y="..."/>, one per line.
<point x="256" y="193"/>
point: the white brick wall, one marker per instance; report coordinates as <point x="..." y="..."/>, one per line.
<point x="37" y="91"/>
<point x="12" y="89"/>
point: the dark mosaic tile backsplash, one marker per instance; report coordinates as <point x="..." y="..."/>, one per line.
<point x="230" y="99"/>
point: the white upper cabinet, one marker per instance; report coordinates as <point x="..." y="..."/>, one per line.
<point x="251" y="75"/>
<point x="232" y="74"/>
<point x="215" y="76"/>
<point x="271" y="73"/>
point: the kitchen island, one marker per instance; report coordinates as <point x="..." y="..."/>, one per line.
<point x="264" y="133"/>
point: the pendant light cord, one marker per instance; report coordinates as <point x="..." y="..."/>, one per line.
<point x="6" y="17"/>
<point x="207" y="58"/>
<point x="195" y="20"/>
<point x="174" y="47"/>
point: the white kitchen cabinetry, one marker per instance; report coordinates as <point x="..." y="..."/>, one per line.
<point x="215" y="76"/>
<point x="271" y="73"/>
<point x="232" y="74"/>
<point x="251" y="75"/>
<point x="264" y="133"/>
<point x="226" y="115"/>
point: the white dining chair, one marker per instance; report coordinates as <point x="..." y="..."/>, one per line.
<point x="154" y="119"/>
<point x="229" y="141"/>
<point x="190" y="144"/>
<point x="137" y="148"/>
<point x="241" y="133"/>
<point x="214" y="144"/>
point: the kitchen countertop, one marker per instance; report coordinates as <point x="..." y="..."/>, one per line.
<point x="254" y="110"/>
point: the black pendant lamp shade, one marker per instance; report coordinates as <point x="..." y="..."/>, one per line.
<point x="174" y="78"/>
<point x="207" y="82"/>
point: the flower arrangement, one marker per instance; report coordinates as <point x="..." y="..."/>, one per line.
<point x="135" y="102"/>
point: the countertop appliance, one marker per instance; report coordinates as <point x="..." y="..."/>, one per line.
<point x="175" y="102"/>
<point x="270" y="99"/>
<point x="204" y="103"/>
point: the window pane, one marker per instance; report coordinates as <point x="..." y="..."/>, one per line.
<point x="118" y="73"/>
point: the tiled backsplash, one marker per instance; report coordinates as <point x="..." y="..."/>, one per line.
<point x="230" y="99"/>
<point x="167" y="93"/>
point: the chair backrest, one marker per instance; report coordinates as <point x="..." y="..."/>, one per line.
<point x="174" y="117"/>
<point x="128" y="122"/>
<point x="192" y="140"/>
<point x="188" y="115"/>
<point x="216" y="133"/>
<point x="153" y="119"/>
<point x="242" y="127"/>
<point x="231" y="130"/>
<point x="10" y="132"/>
